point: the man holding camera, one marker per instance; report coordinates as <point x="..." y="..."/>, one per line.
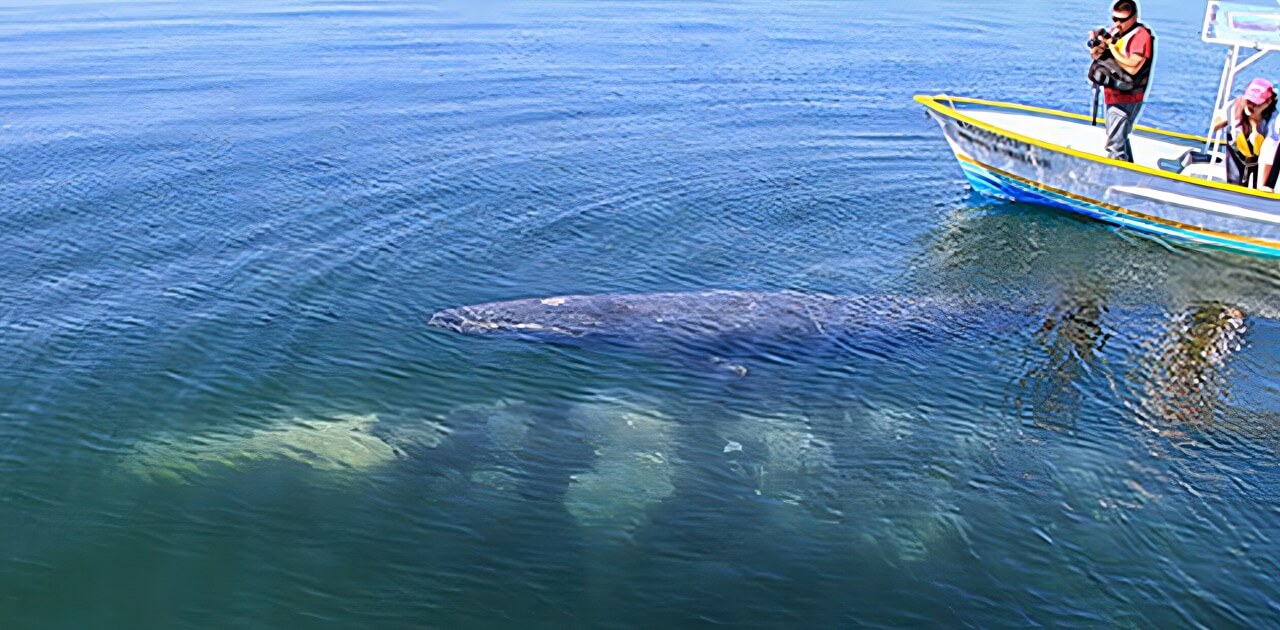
<point x="1127" y="49"/>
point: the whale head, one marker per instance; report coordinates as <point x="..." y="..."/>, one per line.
<point x="546" y="318"/>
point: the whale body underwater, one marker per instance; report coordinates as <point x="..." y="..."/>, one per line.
<point x="738" y="318"/>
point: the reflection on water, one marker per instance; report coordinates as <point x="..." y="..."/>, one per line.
<point x="223" y="228"/>
<point x="1173" y="346"/>
<point x="1186" y="370"/>
<point x="1074" y="338"/>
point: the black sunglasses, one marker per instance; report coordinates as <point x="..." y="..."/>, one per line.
<point x="1120" y="19"/>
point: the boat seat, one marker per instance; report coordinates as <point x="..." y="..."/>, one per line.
<point x="1192" y="158"/>
<point x="1212" y="172"/>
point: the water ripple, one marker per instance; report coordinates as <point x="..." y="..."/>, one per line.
<point x="223" y="229"/>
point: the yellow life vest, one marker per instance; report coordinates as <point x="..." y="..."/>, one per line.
<point x="1248" y="145"/>
<point x="1121" y="45"/>
<point x="1251" y="146"/>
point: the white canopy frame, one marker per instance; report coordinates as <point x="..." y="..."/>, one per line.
<point x="1241" y="26"/>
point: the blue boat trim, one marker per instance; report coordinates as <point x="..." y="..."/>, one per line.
<point x="994" y="183"/>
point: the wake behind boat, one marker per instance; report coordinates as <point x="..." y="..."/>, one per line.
<point x="1055" y="158"/>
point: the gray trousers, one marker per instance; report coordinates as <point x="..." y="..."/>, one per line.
<point x="1120" y="120"/>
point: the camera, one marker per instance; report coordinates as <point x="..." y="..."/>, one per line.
<point x="1102" y="36"/>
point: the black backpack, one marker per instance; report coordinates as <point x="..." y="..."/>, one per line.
<point x="1106" y="72"/>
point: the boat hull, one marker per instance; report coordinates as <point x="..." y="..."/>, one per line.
<point x="1008" y="165"/>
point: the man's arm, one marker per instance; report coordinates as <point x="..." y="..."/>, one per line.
<point x="1129" y="63"/>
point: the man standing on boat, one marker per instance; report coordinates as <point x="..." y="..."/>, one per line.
<point x="1132" y="46"/>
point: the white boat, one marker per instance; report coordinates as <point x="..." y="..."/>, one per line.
<point x="1055" y="158"/>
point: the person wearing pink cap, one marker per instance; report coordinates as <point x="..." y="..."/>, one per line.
<point x="1253" y="136"/>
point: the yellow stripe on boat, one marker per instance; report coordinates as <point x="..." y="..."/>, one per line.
<point x="935" y="104"/>
<point x="1052" y="158"/>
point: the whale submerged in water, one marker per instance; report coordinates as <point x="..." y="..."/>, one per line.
<point x="755" y="317"/>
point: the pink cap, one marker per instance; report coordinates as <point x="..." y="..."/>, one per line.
<point x="1259" y="91"/>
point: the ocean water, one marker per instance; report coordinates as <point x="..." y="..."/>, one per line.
<point x="225" y="225"/>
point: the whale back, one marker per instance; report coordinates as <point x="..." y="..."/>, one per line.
<point x="701" y="317"/>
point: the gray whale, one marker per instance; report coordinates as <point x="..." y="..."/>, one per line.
<point x="777" y="317"/>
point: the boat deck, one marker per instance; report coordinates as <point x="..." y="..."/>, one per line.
<point x="1148" y="149"/>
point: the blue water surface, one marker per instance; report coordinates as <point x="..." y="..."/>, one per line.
<point x="225" y="225"/>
